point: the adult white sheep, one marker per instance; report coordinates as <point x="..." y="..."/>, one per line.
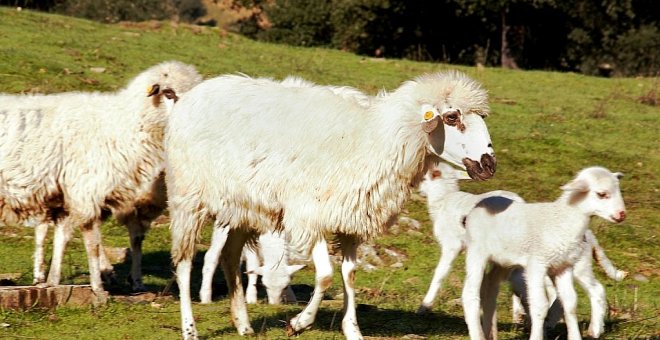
<point x="268" y="257"/>
<point x="543" y="238"/>
<point x="258" y="156"/>
<point x="65" y="158"/>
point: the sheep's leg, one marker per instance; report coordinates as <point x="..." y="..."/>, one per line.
<point x="489" y="290"/>
<point x="251" y="264"/>
<point x="349" y="324"/>
<point x="231" y="262"/>
<point x="450" y="251"/>
<point x="538" y="302"/>
<point x="92" y="238"/>
<point x="323" y="266"/>
<point x="61" y="236"/>
<point x="40" y="233"/>
<point x="568" y="297"/>
<point x="584" y="275"/>
<point x="475" y="264"/>
<point x="211" y="260"/>
<point x="136" y="231"/>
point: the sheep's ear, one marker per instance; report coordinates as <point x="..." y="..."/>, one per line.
<point x="294" y="268"/>
<point x="153" y="90"/>
<point x="578" y="185"/>
<point x="618" y="175"/>
<point x="258" y="271"/>
<point x="431" y="118"/>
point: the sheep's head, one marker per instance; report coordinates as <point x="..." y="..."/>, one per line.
<point x="595" y="191"/>
<point x="166" y="82"/>
<point x="460" y="104"/>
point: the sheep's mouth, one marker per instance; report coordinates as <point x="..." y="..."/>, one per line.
<point x="483" y="170"/>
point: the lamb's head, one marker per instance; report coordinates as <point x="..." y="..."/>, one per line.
<point x="276" y="280"/>
<point x="165" y="83"/>
<point x="441" y="178"/>
<point x="460" y="104"/>
<point x="595" y="191"/>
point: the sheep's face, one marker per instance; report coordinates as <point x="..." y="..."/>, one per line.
<point x="462" y="139"/>
<point x="596" y="191"/>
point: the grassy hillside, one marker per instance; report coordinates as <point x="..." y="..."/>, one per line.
<point x="545" y="127"/>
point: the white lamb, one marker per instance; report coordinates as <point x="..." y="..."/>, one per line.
<point x="584" y="275"/>
<point x="543" y="238"/>
<point x="448" y="208"/>
<point x="66" y="158"/>
<point x="258" y="156"/>
<point x="268" y="257"/>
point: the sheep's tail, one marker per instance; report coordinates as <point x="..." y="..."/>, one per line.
<point x="185" y="227"/>
<point x="602" y="260"/>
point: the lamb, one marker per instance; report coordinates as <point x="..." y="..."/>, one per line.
<point x="448" y="207"/>
<point x="66" y="158"/>
<point x="250" y="153"/>
<point x="268" y="257"/>
<point x="584" y="275"/>
<point x="543" y="239"/>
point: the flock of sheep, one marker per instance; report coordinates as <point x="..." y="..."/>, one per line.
<point x="281" y="166"/>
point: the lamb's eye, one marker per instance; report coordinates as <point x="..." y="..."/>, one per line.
<point x="602" y="195"/>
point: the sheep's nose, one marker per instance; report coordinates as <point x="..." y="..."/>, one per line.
<point x="620" y="216"/>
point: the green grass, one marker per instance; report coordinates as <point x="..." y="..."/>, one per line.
<point x="545" y="127"/>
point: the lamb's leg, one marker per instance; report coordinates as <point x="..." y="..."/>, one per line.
<point x="489" y="290"/>
<point x="536" y="295"/>
<point x="519" y="297"/>
<point x="475" y="264"/>
<point x="61" y="236"/>
<point x="584" y="275"/>
<point x="323" y="266"/>
<point x="450" y="250"/>
<point x="600" y="257"/>
<point x="40" y="233"/>
<point x="349" y="324"/>
<point x="211" y="260"/>
<point x="289" y="295"/>
<point x="231" y="263"/>
<point x="568" y="297"/>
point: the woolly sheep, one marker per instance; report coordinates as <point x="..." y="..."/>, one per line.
<point x="65" y="158"/>
<point x="269" y="258"/>
<point x="448" y="207"/>
<point x="543" y="239"/>
<point x="261" y="156"/>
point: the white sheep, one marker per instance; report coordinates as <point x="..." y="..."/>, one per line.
<point x="258" y="156"/>
<point x="268" y="257"/>
<point x="66" y="158"/>
<point x="584" y="275"/>
<point x="545" y="239"/>
<point x="448" y="208"/>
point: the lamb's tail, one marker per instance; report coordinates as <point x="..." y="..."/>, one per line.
<point x="604" y="262"/>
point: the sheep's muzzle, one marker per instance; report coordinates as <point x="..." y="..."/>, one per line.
<point x="483" y="170"/>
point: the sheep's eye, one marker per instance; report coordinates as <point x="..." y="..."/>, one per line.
<point x="602" y="195"/>
<point x="451" y="118"/>
<point x="170" y="94"/>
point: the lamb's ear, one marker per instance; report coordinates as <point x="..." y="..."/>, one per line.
<point x="258" y="271"/>
<point x="435" y="174"/>
<point x="294" y="268"/>
<point x="618" y="175"/>
<point x="578" y="185"/>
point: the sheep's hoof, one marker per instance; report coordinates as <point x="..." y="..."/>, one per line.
<point x="423" y="310"/>
<point x="290" y="331"/>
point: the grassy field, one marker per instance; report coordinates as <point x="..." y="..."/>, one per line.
<point x="545" y="127"/>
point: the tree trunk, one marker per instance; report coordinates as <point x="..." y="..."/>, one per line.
<point x="506" y="59"/>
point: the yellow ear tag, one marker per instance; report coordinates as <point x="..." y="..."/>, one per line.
<point x="149" y="89"/>
<point x="428" y="115"/>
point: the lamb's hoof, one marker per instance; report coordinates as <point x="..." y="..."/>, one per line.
<point x="423" y="310"/>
